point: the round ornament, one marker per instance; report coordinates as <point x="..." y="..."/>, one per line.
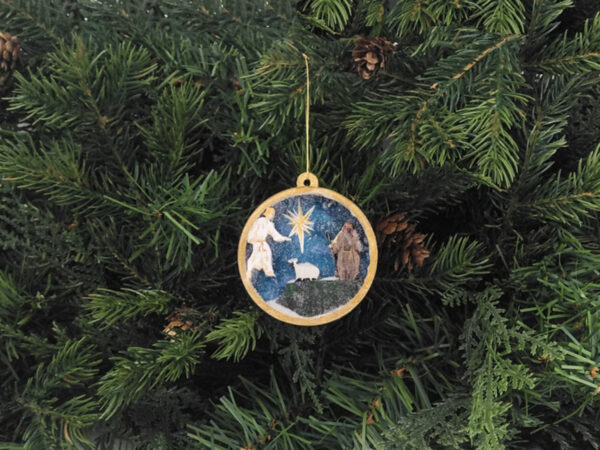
<point x="307" y="255"/>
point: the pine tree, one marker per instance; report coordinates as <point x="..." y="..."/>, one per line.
<point x="136" y="136"/>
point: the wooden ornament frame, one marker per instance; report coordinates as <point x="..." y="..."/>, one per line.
<point x="307" y="183"/>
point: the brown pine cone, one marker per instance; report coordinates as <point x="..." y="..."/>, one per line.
<point x="9" y="56"/>
<point x="403" y="241"/>
<point x="371" y="54"/>
<point x="179" y="320"/>
<point x="9" y="51"/>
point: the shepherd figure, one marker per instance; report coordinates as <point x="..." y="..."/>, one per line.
<point x="261" y="257"/>
<point x="347" y="247"/>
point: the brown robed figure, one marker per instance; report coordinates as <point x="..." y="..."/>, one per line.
<point x="347" y="247"/>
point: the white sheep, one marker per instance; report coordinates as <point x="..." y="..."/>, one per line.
<point x="304" y="271"/>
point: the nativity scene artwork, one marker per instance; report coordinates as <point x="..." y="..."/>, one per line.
<point x="306" y="255"/>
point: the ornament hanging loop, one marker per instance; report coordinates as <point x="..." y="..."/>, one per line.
<point x="307" y="180"/>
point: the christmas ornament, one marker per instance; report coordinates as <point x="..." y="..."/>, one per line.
<point x="370" y="55"/>
<point x="307" y="255"/>
<point x="9" y="55"/>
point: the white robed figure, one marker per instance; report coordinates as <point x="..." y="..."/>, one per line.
<point x="261" y="257"/>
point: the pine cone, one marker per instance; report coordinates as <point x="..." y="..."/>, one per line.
<point x="9" y="55"/>
<point x="370" y="54"/>
<point x="179" y="321"/>
<point x="407" y="243"/>
<point x="9" y="51"/>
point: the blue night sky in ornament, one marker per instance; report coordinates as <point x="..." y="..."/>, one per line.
<point x="328" y="216"/>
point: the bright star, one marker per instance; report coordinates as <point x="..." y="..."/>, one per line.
<point x="300" y="223"/>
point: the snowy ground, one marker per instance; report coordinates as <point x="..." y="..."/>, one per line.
<point x="288" y="312"/>
<point x="315" y="298"/>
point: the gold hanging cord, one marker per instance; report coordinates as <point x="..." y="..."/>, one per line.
<point x="307" y="113"/>
<point x="307" y="179"/>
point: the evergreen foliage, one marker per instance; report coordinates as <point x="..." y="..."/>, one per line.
<point x="136" y="136"/>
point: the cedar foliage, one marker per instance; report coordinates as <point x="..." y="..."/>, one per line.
<point x="136" y="136"/>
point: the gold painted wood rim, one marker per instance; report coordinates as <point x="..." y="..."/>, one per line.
<point x="339" y="312"/>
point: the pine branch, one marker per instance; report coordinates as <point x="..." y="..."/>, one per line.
<point x="487" y="338"/>
<point x="417" y="16"/>
<point x="458" y="262"/>
<point x="299" y="355"/>
<point x="17" y="13"/>
<point x="497" y="108"/>
<point x="580" y="54"/>
<point x="502" y="16"/>
<point x="440" y="424"/>
<point x="13" y="302"/>
<point x="108" y="308"/>
<point x="543" y="19"/>
<point x="88" y="86"/>
<point x="176" y="215"/>
<point x="236" y="336"/>
<point x="141" y="370"/>
<point x="570" y="199"/>
<point x="566" y="281"/>
<point x="52" y="422"/>
<point x="271" y="424"/>
<point x="176" y="117"/>
<point x="57" y="172"/>
<point x="479" y="57"/>
<point x="333" y="14"/>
